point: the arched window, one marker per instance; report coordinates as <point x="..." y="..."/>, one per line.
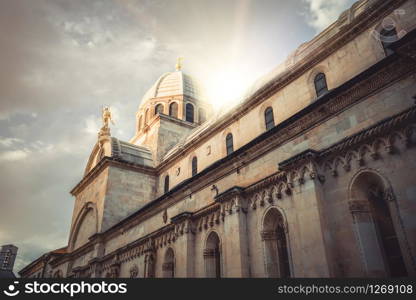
<point x="202" y="116"/>
<point x="269" y="118"/>
<point x="146" y="117"/>
<point x="173" y="109"/>
<point x="320" y="84"/>
<point x="375" y="226"/>
<point x="140" y="122"/>
<point x="159" y="109"/>
<point x="229" y="144"/>
<point x="275" y="245"/>
<point x="194" y="166"/>
<point x="212" y="256"/>
<point x="149" y="266"/>
<point x="189" y="113"/>
<point x="387" y="37"/>
<point x="166" y="184"/>
<point x="168" y="266"/>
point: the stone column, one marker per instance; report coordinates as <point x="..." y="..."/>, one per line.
<point x="95" y="268"/>
<point x="98" y="252"/>
<point x="184" y="245"/>
<point x="312" y="251"/>
<point x="310" y="256"/>
<point x="367" y="238"/>
<point x="149" y="265"/>
<point x="233" y="210"/>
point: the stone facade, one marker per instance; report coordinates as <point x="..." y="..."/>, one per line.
<point x="327" y="191"/>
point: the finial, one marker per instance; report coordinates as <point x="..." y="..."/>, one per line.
<point x="179" y="63"/>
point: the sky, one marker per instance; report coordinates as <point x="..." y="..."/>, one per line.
<point x="61" y="61"/>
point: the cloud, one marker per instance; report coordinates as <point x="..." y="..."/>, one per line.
<point x="9" y="141"/>
<point x="321" y="13"/>
<point x="92" y="125"/>
<point x="13" y="155"/>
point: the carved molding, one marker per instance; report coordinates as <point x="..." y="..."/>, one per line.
<point x="369" y="144"/>
<point x="207" y="221"/>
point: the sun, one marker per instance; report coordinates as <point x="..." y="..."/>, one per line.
<point x="227" y="86"/>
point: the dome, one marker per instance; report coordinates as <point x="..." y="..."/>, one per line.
<point x="174" y="83"/>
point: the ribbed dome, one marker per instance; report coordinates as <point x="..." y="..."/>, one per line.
<point x="174" y="83"/>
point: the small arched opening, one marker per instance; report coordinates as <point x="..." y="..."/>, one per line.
<point x="212" y="256"/>
<point x="275" y="245"/>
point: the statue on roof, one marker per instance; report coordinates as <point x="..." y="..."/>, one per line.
<point x="107" y="117"/>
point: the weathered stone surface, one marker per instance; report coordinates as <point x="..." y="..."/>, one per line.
<point x="296" y="200"/>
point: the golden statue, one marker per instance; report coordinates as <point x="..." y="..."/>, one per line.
<point x="107" y="117"/>
<point x="179" y="63"/>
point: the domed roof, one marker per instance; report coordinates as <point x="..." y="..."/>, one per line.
<point x="174" y="83"/>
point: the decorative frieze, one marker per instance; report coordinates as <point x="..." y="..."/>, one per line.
<point x="371" y="144"/>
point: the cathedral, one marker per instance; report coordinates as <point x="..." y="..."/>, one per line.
<point x="311" y="174"/>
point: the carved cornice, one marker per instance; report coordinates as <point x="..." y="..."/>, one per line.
<point x="229" y="194"/>
<point x="298" y="159"/>
<point x="370" y="144"/>
<point x="369" y="141"/>
<point x="206" y="211"/>
<point x="181" y="217"/>
<point x="183" y="223"/>
<point x="207" y="217"/>
<point x="165" y="239"/>
<point x="266" y="182"/>
<point x="300" y="164"/>
<point x="379" y="129"/>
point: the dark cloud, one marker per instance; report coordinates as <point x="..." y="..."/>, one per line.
<point x="61" y="60"/>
